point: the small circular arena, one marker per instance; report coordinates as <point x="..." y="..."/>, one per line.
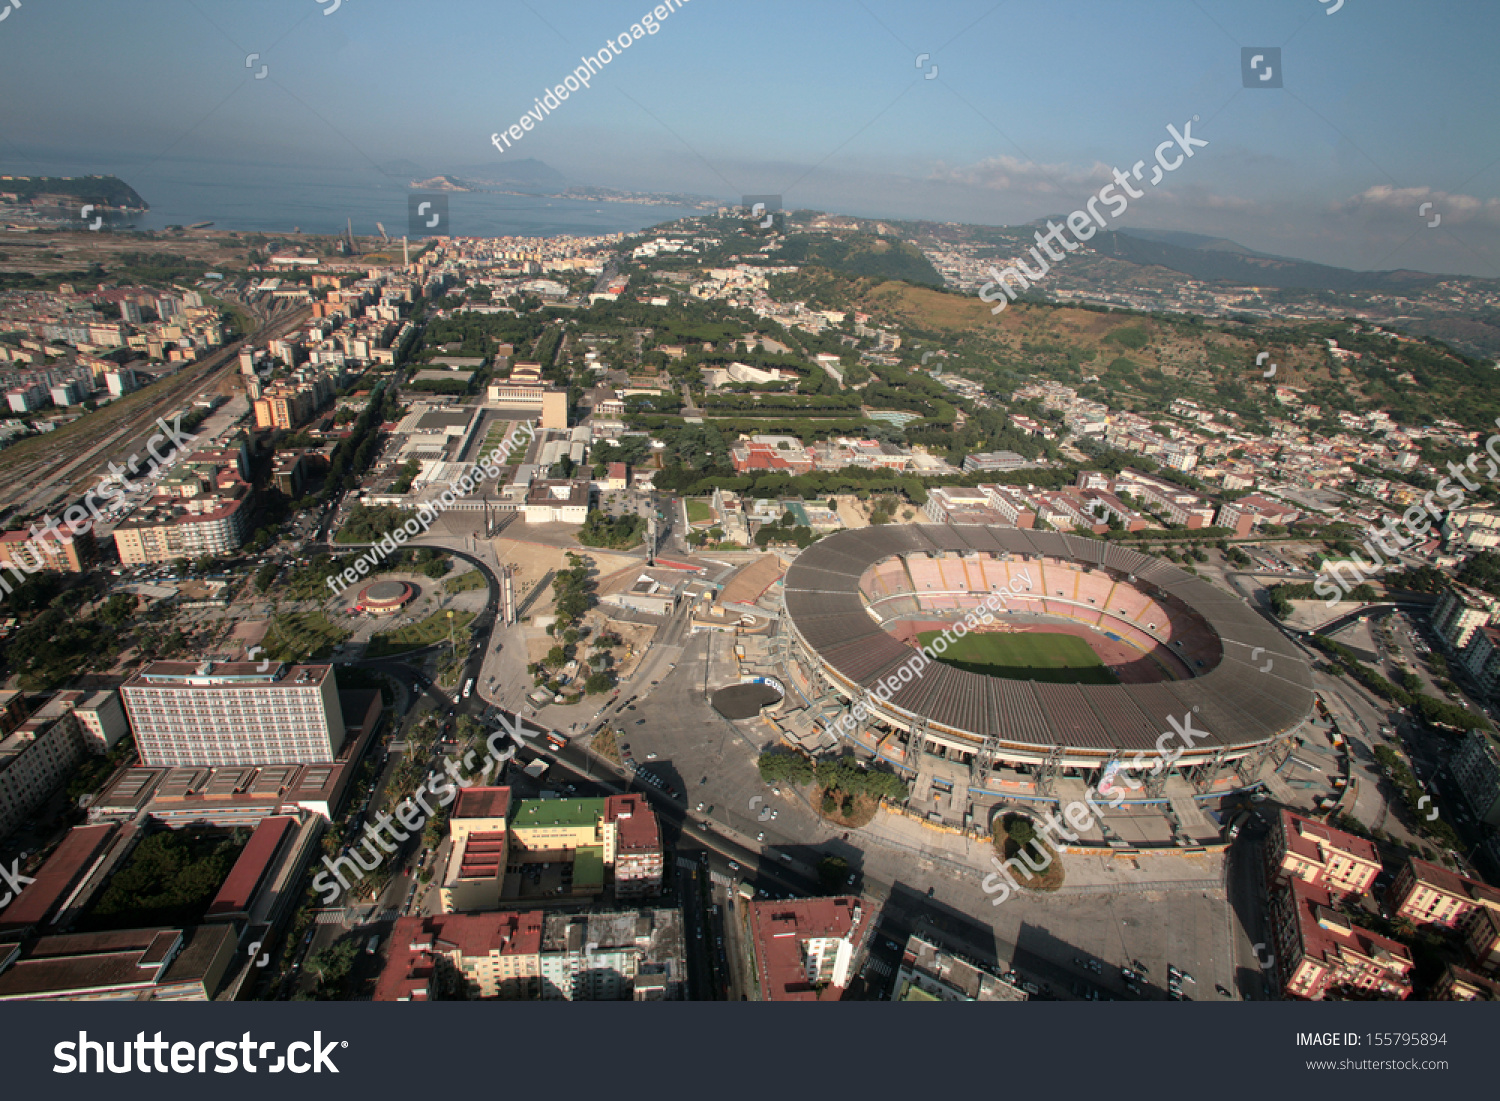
<point x="1004" y="661"/>
<point x="382" y="598"/>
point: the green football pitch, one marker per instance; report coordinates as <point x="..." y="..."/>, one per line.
<point x="1059" y="659"/>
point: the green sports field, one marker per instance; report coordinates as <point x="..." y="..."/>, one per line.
<point x="1058" y="659"/>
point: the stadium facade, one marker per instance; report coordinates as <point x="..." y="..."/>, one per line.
<point x="1243" y="687"/>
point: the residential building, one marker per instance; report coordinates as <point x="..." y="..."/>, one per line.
<point x="602" y="957"/>
<point x="630" y="956"/>
<point x="637" y="848"/>
<point x="1321" y="953"/>
<point x="548" y="848"/>
<point x="101" y="718"/>
<point x="20" y="550"/>
<point x="804" y="949"/>
<point x="198" y="519"/>
<point x="1475" y="767"/>
<point x="1310" y="852"/>
<point x="928" y="973"/>
<point x="1459" y="612"/>
<point x="234" y="713"/>
<point x="1426" y="894"/>
<point x="286" y="406"/>
<point x="1482" y="657"/>
<point x="1481" y="935"/>
<point x="1458" y="984"/>
<point x="1252" y="512"/>
<point x="34" y="759"/>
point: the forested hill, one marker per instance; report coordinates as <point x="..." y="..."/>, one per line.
<point x="104" y="191"/>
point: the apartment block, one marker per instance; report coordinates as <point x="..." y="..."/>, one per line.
<point x="1475" y="766"/>
<point x="1459" y="612"/>
<point x="1458" y="984"/>
<point x="100" y="715"/>
<point x="503" y="849"/>
<point x="196" y="521"/>
<point x="1251" y="513"/>
<point x="805" y="949"/>
<point x="1426" y="894"/>
<point x="1176" y="505"/>
<point x="20" y="550"/>
<point x="1320" y="952"/>
<point x="1481" y="937"/>
<point x="1306" y="851"/>
<point x="929" y="974"/>
<point x="1481" y="657"/>
<point x="34" y="759"/>
<point x="234" y="713"/>
<point x="625" y="956"/>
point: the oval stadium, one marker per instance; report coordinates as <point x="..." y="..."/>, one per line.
<point x="1095" y="659"/>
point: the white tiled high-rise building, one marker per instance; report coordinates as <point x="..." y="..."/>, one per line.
<point x="234" y="713"/>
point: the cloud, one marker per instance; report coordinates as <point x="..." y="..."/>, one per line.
<point x="1013" y="175"/>
<point x="1388" y="204"/>
<point x="1027" y="179"/>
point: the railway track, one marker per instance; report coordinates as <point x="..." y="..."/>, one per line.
<point x="21" y="495"/>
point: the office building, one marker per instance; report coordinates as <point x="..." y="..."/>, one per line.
<point x="234" y="713"/>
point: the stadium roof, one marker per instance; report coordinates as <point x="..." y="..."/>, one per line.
<point x="1241" y="701"/>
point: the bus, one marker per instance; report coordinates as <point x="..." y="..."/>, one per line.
<point x="468" y="688"/>
<point x="556" y="741"/>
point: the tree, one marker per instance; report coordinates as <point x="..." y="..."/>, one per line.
<point x="776" y="766"/>
<point x="600" y="682"/>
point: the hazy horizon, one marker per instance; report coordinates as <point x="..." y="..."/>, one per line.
<point x="1030" y="106"/>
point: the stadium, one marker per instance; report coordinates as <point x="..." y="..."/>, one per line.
<point x="1094" y="653"/>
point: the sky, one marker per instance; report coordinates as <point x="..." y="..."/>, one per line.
<point x="947" y="110"/>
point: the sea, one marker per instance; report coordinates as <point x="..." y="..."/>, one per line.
<point x="283" y="199"/>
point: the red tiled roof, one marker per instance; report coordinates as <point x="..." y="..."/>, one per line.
<point x="57" y="876"/>
<point x="492" y="802"/>
<point x="255" y="860"/>
<point x="1322" y="943"/>
<point x="636" y="828"/>
<point x="409" y="968"/>
<point x="1303" y="835"/>
<point x="778" y="930"/>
